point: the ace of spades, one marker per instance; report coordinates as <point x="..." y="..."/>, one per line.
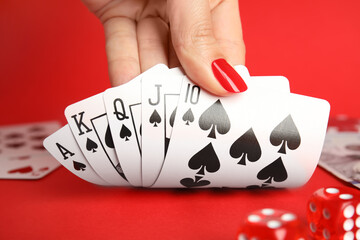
<point x="63" y="146"/>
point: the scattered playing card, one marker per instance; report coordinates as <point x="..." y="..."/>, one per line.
<point x="25" y="139"/>
<point x="341" y="156"/>
<point x="22" y="155"/>
<point x="27" y="167"/>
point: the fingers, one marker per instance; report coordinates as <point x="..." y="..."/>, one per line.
<point x="228" y="31"/>
<point x="121" y="50"/>
<point x="152" y="34"/>
<point x="196" y="46"/>
<point x="173" y="59"/>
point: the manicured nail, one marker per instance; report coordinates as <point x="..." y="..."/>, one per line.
<point x="229" y="79"/>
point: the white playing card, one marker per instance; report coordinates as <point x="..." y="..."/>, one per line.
<point x="88" y="122"/>
<point x="22" y="155"/>
<point x="170" y="83"/>
<point x="63" y="146"/>
<point x="22" y="140"/>
<point x="277" y="83"/>
<point x="123" y="105"/>
<point x="27" y="167"/>
<point x="290" y="129"/>
<point x="154" y="85"/>
<point x="206" y="127"/>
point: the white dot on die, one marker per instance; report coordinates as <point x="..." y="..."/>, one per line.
<point x="274" y="224"/>
<point x="349" y="236"/>
<point x="242" y="237"/>
<point x="267" y="211"/>
<point x="326" y="233"/>
<point x="358" y="209"/>
<point x="345" y="196"/>
<point x="357" y="223"/>
<point x="288" y="217"/>
<point x="313" y="227"/>
<point x="349" y="211"/>
<point x="348" y="224"/>
<point x="332" y="190"/>
<point x="312" y="207"/>
<point x="326" y="213"/>
<point x="358" y="234"/>
<point x="254" y="218"/>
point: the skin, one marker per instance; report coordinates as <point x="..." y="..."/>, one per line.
<point x="189" y="33"/>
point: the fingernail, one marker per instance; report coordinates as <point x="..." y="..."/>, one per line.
<point x="229" y="79"/>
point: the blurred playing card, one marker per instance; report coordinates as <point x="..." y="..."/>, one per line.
<point x="22" y="155"/>
<point x="341" y="156"/>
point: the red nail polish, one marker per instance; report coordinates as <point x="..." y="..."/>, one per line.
<point x="229" y="79"/>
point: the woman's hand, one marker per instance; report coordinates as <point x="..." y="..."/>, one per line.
<point x="191" y="33"/>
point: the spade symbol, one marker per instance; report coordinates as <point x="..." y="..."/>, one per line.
<point x="91" y="145"/>
<point x="79" y="166"/>
<point x="286" y="134"/>
<point x="205" y="159"/>
<point x="125" y="133"/>
<point x="215" y="117"/>
<point x="246" y="146"/>
<point x="172" y="117"/>
<point x="189" y="182"/>
<point x="274" y="171"/>
<point x="155" y="118"/>
<point x="108" y="138"/>
<point x="188" y="116"/>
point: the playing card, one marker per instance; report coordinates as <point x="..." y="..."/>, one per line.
<point x="235" y="141"/>
<point x="167" y="89"/>
<point x="341" y="156"/>
<point x="23" y="140"/>
<point x="22" y="155"/>
<point x="88" y="122"/>
<point x="27" y="167"/>
<point x="63" y="146"/>
<point x="155" y="87"/>
<point x="277" y="83"/>
<point x="123" y="106"/>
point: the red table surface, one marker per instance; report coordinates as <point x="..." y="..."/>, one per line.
<point x="52" y="54"/>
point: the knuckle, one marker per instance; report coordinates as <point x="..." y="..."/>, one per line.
<point x="199" y="34"/>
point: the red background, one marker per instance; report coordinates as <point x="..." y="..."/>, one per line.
<point x="52" y="54"/>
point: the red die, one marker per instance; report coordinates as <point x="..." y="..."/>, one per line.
<point x="271" y="224"/>
<point x="334" y="213"/>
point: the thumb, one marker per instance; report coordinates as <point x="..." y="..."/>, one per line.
<point x="198" y="50"/>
